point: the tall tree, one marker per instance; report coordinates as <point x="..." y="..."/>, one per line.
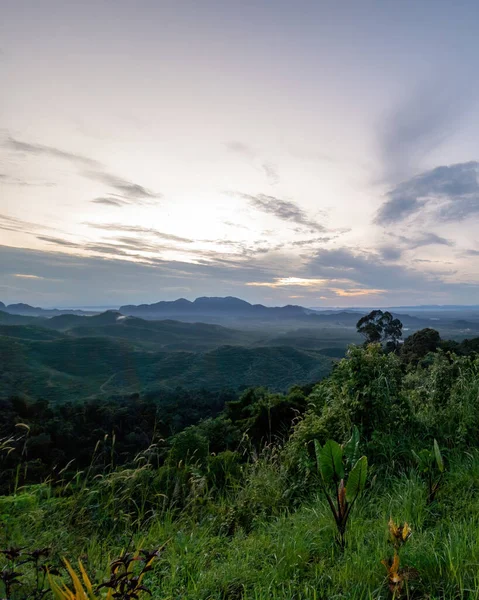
<point x="380" y="327"/>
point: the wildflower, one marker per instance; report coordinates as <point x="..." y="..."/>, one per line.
<point x="398" y="534"/>
<point x="394" y="576"/>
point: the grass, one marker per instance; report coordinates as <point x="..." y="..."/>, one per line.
<point x="287" y="554"/>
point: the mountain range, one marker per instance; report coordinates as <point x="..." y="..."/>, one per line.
<point x="214" y="307"/>
<point x="211" y="343"/>
<point x="35" y="311"/>
<point x="234" y="313"/>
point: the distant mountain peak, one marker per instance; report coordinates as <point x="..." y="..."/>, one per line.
<point x="219" y="303"/>
<point x="213" y="308"/>
<point x="231" y="300"/>
<point x="22" y="305"/>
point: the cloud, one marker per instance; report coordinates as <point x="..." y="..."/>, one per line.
<point x="269" y="169"/>
<point x="367" y="270"/>
<point x="110" y="201"/>
<point x="237" y="225"/>
<point x="92" y="279"/>
<point x="144" y="240"/>
<point x="8" y="223"/>
<point x="27" y="276"/>
<point x="260" y="246"/>
<point x="316" y="284"/>
<point x="58" y="241"/>
<point x="240" y="148"/>
<point x="7" y="180"/>
<point x="428" y="260"/>
<point x="135" y="244"/>
<point x="117" y="227"/>
<point x="285" y="210"/>
<point x="271" y="173"/>
<point x="132" y="246"/>
<point x="390" y="253"/>
<point x="129" y="251"/>
<point x="312" y="241"/>
<point x="393" y="252"/>
<point x="115" y="276"/>
<point x="424" y="239"/>
<point x="40" y="149"/>
<point x="419" y="123"/>
<point x="128" y="189"/>
<point x="288" y="282"/>
<point x="344" y="272"/>
<point x="350" y="293"/>
<point x="444" y="194"/>
<point x="119" y="245"/>
<point x="13" y="224"/>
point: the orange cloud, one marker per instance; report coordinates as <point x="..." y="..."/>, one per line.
<point x="356" y="292"/>
<point x="289" y="281"/>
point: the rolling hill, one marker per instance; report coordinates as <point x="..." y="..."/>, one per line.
<point x="166" y="334"/>
<point x="7" y="318"/>
<point x="70" y="369"/>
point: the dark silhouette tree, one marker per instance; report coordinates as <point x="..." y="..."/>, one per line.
<point x="419" y="344"/>
<point x="380" y="327"/>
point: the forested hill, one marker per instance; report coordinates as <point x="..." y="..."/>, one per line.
<point x="364" y="485"/>
<point x="62" y="368"/>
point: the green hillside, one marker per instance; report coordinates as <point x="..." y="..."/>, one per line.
<point x="67" y="368"/>
<point x="28" y="332"/>
<point x="170" y="335"/>
<point x="11" y="319"/>
<point x="363" y="486"/>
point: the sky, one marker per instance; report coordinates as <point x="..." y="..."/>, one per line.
<point x="312" y="152"/>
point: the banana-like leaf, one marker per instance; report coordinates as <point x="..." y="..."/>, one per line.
<point x="424" y="459"/>
<point x="331" y="462"/>
<point x="317" y="451"/>
<point x="438" y="455"/>
<point x="357" y="479"/>
<point x="351" y="447"/>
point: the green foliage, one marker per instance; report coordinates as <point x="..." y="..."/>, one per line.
<point x="232" y="480"/>
<point x="438" y="457"/>
<point x="332" y="472"/>
<point x="431" y="466"/>
<point x="24" y="573"/>
<point x="330" y="461"/>
<point x="443" y="395"/>
<point x="224" y="469"/>
<point x="365" y="390"/>
<point x="351" y="448"/>
<point x="357" y="479"/>
<point x="420" y="344"/>
<point x="188" y="446"/>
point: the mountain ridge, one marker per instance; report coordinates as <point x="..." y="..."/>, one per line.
<point x="211" y="306"/>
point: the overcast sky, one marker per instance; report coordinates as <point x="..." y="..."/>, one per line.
<point x="311" y="152"/>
